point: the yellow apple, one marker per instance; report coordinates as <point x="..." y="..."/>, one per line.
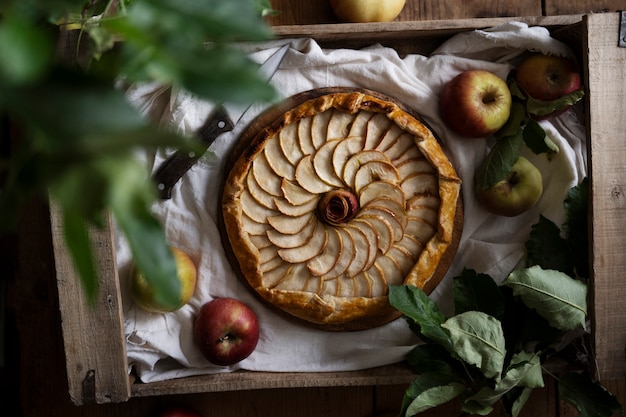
<point x="364" y="11"/>
<point x="143" y="292"/>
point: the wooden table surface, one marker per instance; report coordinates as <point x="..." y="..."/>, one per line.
<point x="33" y="372"/>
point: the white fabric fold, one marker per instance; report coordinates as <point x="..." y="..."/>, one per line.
<point x="160" y="346"/>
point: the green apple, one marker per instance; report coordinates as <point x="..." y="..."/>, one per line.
<point x="364" y="11"/>
<point x="475" y="103"/>
<point x="143" y="292"/>
<point x="515" y="194"/>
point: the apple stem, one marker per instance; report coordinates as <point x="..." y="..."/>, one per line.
<point x="514" y="178"/>
<point x="225" y="338"/>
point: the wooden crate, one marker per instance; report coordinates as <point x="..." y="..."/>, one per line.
<point x="95" y="349"/>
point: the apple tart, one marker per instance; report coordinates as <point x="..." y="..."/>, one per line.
<point x="334" y="199"/>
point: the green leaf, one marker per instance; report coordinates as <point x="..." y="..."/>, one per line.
<point x="589" y="397"/>
<point x="79" y="244"/>
<point x="478" y="339"/>
<point x="191" y="44"/>
<point x="499" y="161"/>
<point x="576" y="226"/>
<point x="431" y="358"/>
<point x="428" y="391"/>
<point x="557" y="297"/>
<point x="524" y="370"/>
<point x="541" y="108"/>
<point x="421" y="311"/>
<point x="130" y="202"/>
<point x="514" y="400"/>
<point x="516" y="121"/>
<point x="474" y="408"/>
<point x="26" y="51"/>
<point x="535" y="138"/>
<point x="477" y="292"/>
<point x="545" y="247"/>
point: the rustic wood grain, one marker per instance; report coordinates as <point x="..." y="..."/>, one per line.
<point x="606" y="124"/>
<point x="43" y="382"/>
<point x="305" y="12"/>
<point x="93" y="333"/>
<point x="556" y="7"/>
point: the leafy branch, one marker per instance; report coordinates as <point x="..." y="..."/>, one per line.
<point x="495" y="346"/>
<point x="73" y="132"/>
<point x="522" y="128"/>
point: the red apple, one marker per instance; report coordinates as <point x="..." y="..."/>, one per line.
<point x="475" y="103"/>
<point x="515" y="194"/>
<point x="226" y="331"/>
<point x="548" y="78"/>
<point x="178" y="411"/>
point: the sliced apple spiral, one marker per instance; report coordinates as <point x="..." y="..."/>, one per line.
<point x="347" y="196"/>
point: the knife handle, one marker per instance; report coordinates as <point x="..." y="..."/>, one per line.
<point x="174" y="167"/>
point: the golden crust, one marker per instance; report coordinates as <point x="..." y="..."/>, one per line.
<point x="324" y="274"/>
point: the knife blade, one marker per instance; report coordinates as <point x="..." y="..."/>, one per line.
<point x="222" y="119"/>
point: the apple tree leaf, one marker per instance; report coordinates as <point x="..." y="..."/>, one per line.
<point x="477" y="292"/>
<point x="589" y="397"/>
<point x="542" y="108"/>
<point x="79" y="245"/>
<point x="421" y="312"/>
<point x="431" y="358"/>
<point x="524" y="370"/>
<point x="477" y="409"/>
<point x="575" y="227"/>
<point x="560" y="299"/>
<point x="514" y="400"/>
<point x="27" y="51"/>
<point x="545" y="247"/>
<point x="535" y="138"/>
<point x="499" y="161"/>
<point x="516" y="121"/>
<point x="478" y="339"/>
<point x="430" y="390"/>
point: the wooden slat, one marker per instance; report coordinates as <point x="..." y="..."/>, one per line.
<point x="93" y="334"/>
<point x="606" y="81"/>
<point x="420" y="37"/>
<point x="306" y="12"/>
<point x="246" y="380"/>
<point x="300" y="402"/>
<point x="557" y="7"/>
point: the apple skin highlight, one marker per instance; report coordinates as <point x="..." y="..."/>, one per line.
<point x="515" y="194"/>
<point x="475" y="103"/>
<point x="548" y="78"/>
<point x="226" y="331"/>
<point x="366" y="11"/>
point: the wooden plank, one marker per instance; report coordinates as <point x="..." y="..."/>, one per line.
<point x="557" y="7"/>
<point x="247" y="381"/>
<point x="402" y="36"/>
<point x="93" y="334"/>
<point x="301" y="402"/>
<point x="306" y="12"/>
<point x="605" y="78"/>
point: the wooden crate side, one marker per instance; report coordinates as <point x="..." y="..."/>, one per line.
<point x="299" y="12"/>
<point x="606" y="124"/>
<point x="250" y="380"/>
<point x="416" y="37"/>
<point x="93" y="335"/>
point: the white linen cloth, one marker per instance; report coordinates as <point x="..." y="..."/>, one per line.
<point x="160" y="346"/>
